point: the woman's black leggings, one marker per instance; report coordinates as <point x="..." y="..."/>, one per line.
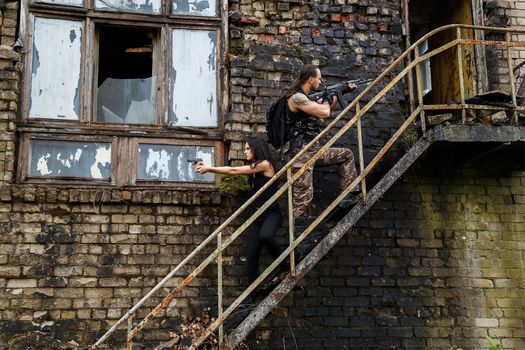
<point x="261" y="233"/>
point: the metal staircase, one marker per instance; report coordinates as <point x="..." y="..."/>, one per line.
<point x="409" y="62"/>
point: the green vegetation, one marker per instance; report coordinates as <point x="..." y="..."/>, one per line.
<point x="231" y="185"/>
<point x="492" y="344"/>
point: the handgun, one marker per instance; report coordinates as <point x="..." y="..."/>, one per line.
<point x="194" y="160"/>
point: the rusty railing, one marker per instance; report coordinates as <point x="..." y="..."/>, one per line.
<point x="414" y="59"/>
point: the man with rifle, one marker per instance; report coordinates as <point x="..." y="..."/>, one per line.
<point x="304" y="117"/>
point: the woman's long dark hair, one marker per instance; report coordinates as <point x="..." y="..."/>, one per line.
<point x="260" y="151"/>
<point x="308" y="71"/>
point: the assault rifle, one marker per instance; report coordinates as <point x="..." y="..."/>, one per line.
<point x="339" y="89"/>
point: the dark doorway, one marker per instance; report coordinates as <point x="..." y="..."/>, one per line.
<point x="441" y="74"/>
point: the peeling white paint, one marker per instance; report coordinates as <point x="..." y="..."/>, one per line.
<point x="65" y="162"/>
<point x="195" y="7"/>
<point x="77" y="155"/>
<point x="207" y="157"/>
<point x="145" y="6"/>
<point x="170" y="162"/>
<point x="55" y="79"/>
<point x="62" y="2"/>
<point x="41" y="165"/>
<point x="194" y="88"/>
<point x="90" y="160"/>
<point x="103" y="158"/>
<point x="157" y="164"/>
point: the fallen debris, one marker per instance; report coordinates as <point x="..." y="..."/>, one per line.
<point x="38" y="341"/>
<point x="497" y="98"/>
<point x="498" y="118"/>
<point x="439" y="119"/>
<point x="193" y="328"/>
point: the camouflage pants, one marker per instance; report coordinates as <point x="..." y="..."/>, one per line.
<point x="303" y="191"/>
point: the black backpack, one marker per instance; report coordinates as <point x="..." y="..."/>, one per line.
<point x="277" y="126"/>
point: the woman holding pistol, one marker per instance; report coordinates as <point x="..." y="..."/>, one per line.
<point x="262" y="231"/>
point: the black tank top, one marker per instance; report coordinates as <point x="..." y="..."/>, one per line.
<point x="257" y="181"/>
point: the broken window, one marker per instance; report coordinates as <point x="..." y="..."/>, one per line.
<point x="170" y="162"/>
<point x="144" y="6"/>
<point x="126" y="84"/>
<point x="426" y="74"/>
<point x="66" y="159"/>
<point x="194" y="7"/>
<point x="117" y="97"/>
<point x="55" y="69"/>
<point x="194" y="78"/>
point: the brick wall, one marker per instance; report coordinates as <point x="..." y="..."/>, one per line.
<point x="269" y="42"/>
<point x="517" y="19"/>
<point x="73" y="258"/>
<point x="504" y="13"/>
<point x="437" y="262"/>
<point x="10" y="68"/>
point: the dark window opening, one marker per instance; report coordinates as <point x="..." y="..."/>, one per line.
<point x="126" y="83"/>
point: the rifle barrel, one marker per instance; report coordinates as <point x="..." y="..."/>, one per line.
<point x="335" y="87"/>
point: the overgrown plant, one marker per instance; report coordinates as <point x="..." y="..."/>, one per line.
<point x="492" y="344"/>
<point x="232" y="185"/>
<point x="409" y="138"/>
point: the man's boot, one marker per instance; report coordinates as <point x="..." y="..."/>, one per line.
<point x="343" y="208"/>
<point x="314" y="237"/>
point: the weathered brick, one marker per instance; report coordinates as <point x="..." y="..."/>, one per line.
<point x="22" y="283"/>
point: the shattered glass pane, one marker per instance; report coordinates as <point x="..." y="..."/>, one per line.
<point x="62" y="2"/>
<point x="142" y="6"/>
<point x="194" y="7"/>
<point x="426" y="76"/>
<point x="170" y="162"/>
<point x="194" y="78"/>
<point x="126" y="86"/>
<point x="130" y="101"/>
<point x="67" y="159"/>
<point x="55" y="71"/>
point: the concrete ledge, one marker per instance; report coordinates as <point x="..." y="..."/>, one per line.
<point x="477" y="133"/>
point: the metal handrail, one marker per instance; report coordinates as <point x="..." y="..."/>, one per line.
<point x="223" y="243"/>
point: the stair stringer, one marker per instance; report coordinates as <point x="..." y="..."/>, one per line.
<point x="330" y="240"/>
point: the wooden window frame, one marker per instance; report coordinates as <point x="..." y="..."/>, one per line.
<point x="123" y="136"/>
<point x="25" y="148"/>
<point x="160" y="88"/>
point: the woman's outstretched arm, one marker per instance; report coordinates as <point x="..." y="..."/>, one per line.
<point x="264" y="167"/>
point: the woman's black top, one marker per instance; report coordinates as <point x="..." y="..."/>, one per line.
<point x="257" y="181"/>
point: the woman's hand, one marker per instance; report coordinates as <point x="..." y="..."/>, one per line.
<point x="201" y="168"/>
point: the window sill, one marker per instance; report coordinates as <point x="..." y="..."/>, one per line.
<point x="122" y="130"/>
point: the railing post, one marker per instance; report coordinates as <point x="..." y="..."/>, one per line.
<point x="461" y="79"/>
<point x="420" y="89"/>
<point x="130" y="327"/>
<point x="291" y="221"/>
<point x="360" y="148"/>
<point x="508" y="38"/>
<point x="219" y="288"/>
<point x="406" y="33"/>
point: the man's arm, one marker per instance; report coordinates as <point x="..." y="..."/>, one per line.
<point x="299" y="101"/>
